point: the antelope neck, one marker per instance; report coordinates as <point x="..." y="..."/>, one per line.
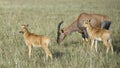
<point x="70" y="29"/>
<point x="26" y="33"/>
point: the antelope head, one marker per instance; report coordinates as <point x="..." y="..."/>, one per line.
<point x="86" y="23"/>
<point x="60" y="33"/>
<point x="23" y="28"/>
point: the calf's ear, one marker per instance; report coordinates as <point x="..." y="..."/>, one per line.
<point x="27" y="25"/>
<point x="89" y="20"/>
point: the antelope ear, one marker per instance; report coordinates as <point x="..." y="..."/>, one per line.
<point x="27" y="25"/>
<point x="89" y="20"/>
<point x="62" y="31"/>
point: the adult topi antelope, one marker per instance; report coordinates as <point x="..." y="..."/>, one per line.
<point x="97" y="34"/>
<point x="99" y="21"/>
<point x="32" y="39"/>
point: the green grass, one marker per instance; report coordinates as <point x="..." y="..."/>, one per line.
<point x="43" y="17"/>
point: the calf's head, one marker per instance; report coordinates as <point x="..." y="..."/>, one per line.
<point x="23" y="28"/>
<point x="86" y="23"/>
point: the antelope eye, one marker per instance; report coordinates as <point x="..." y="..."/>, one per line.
<point x="59" y="33"/>
<point x="86" y="23"/>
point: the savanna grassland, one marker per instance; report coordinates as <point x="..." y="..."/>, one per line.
<point x="43" y="17"/>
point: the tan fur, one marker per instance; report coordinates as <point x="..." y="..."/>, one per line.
<point x="97" y="34"/>
<point x="36" y="41"/>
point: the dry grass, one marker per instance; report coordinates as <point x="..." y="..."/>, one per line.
<point x="43" y="17"/>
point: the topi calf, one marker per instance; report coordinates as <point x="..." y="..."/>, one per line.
<point x="35" y="40"/>
<point x="97" y="34"/>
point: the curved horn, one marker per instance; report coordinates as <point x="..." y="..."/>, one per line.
<point x="59" y="25"/>
<point x="58" y="31"/>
